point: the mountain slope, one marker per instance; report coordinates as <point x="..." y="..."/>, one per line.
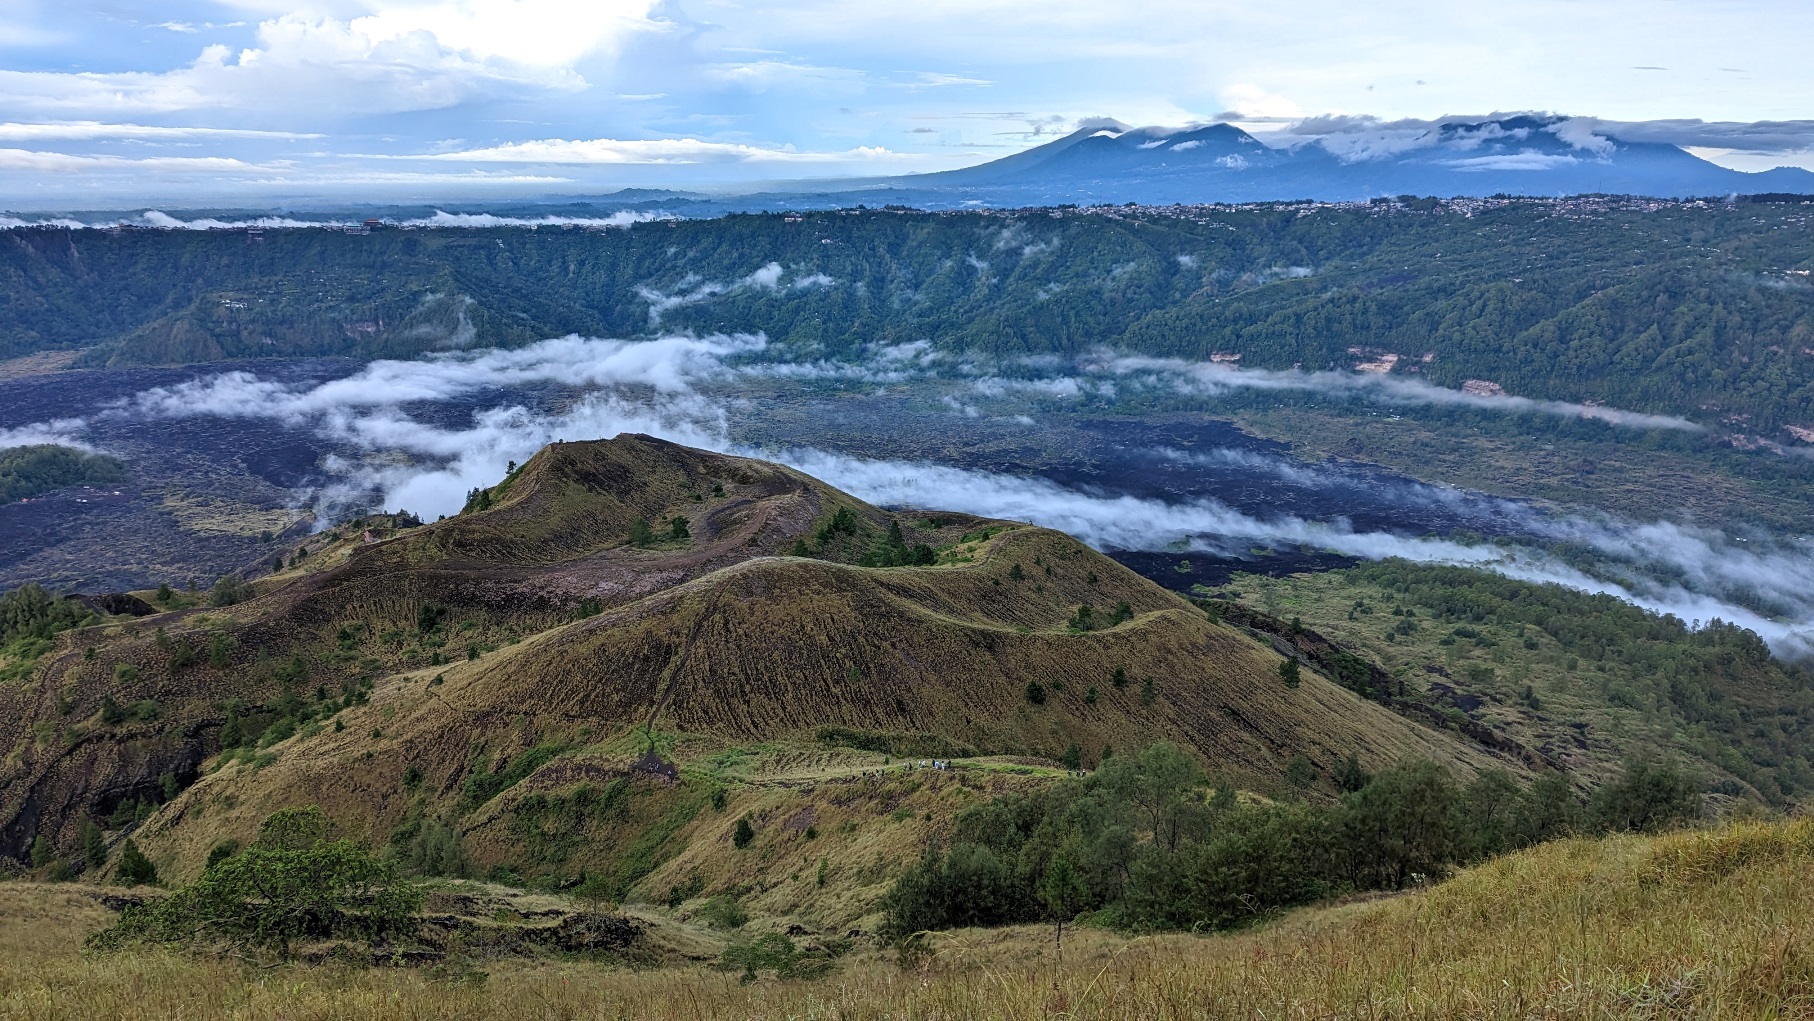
<point x="451" y="671"/>
<point x="1108" y="162"/>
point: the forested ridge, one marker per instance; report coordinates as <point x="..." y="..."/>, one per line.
<point x="1699" y="309"/>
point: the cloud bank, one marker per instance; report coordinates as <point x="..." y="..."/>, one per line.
<point x="419" y="461"/>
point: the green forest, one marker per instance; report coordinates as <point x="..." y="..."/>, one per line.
<point x="1142" y="845"/>
<point x="27" y="471"/>
<point x="1704" y="310"/>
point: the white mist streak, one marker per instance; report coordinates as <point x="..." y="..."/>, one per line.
<point x="1134" y="523"/>
<point x="63" y="432"/>
<point x="1209" y="378"/>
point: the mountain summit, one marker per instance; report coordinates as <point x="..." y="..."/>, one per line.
<point x="1106" y="161"/>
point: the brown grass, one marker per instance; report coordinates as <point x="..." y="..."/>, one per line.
<point x="1696" y="925"/>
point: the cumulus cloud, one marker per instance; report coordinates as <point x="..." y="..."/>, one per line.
<point x="392" y="62"/>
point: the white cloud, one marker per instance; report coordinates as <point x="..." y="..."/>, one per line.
<point x="309" y="66"/>
<point x="63" y="163"/>
<point x="622" y="218"/>
<point x="91" y="130"/>
<point x="653" y="151"/>
<point x="538" y="33"/>
<point x="1252" y="101"/>
<point x="1513" y="161"/>
<point x="67" y="432"/>
<point x="1209" y="378"/>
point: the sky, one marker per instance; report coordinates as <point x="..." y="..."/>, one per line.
<point x="109" y="103"/>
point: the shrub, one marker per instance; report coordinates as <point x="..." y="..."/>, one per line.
<point x="1647" y="797"/>
<point x="228" y="591"/>
<point x="134" y="869"/>
<point x="271" y="896"/>
<point x="1036" y="693"/>
<point x="1290" y="673"/>
<point x="744" y="834"/>
<point x="722" y="912"/>
<point x="220" y="852"/>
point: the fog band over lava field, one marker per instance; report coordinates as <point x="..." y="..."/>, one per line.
<point x="418" y="435"/>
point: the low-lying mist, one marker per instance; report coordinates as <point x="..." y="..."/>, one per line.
<point x="418" y="435"/>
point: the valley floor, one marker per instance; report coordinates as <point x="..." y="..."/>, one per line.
<point x="1713" y="924"/>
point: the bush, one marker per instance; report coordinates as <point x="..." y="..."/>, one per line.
<point x="1647" y="797"/>
<point x="1290" y="672"/>
<point x="721" y="911"/>
<point x="134" y="869"/>
<point x="1150" y="848"/>
<point x="1036" y="693"/>
<point x="228" y="591"/>
<point x="744" y="834"/>
<point x="275" y="894"/>
<point x="969" y="886"/>
<point x="773" y="951"/>
<point x="220" y="852"/>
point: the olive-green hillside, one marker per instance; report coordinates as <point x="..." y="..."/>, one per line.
<point x="608" y="593"/>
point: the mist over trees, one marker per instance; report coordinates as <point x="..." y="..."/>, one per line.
<point x="1664" y="309"/>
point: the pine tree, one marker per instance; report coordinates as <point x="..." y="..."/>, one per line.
<point x="94" y="846"/>
<point x="1290" y="673"/>
<point x="134" y="869"/>
<point x="640" y="532"/>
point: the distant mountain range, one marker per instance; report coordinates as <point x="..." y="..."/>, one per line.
<point x="1524" y="155"/>
<point x="1107" y="162"/>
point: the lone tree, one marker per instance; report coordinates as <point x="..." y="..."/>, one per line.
<point x="678" y="528"/>
<point x="1290" y="672"/>
<point x="135" y="869"/>
<point x="640" y="532"/>
<point x="744" y="834"/>
<point x="1063" y="894"/>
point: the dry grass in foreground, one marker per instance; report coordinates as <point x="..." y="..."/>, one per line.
<point x="1707" y="924"/>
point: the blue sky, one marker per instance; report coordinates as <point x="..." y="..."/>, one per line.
<point x="294" y="101"/>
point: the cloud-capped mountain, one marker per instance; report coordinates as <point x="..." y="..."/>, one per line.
<point x="1106" y="161"/>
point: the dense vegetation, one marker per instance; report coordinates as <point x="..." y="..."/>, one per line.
<point x="1142" y="843"/>
<point x="27" y="471"/>
<point x="1713" y="693"/>
<point x="1661" y="308"/>
<point x="293" y="884"/>
<point x="29" y="617"/>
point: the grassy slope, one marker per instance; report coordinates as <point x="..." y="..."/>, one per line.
<point x="1585" y="715"/>
<point x="718" y="639"/>
<point x="1701" y="924"/>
